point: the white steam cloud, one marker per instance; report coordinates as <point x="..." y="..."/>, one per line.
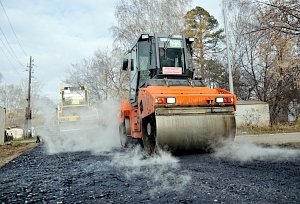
<point x="247" y="151"/>
<point x="97" y="135"/>
<point x="161" y="170"/>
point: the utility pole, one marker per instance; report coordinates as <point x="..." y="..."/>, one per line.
<point x="27" y="128"/>
<point x="227" y="48"/>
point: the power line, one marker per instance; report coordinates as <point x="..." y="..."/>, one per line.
<point x="10" y="48"/>
<point x="2" y="79"/>
<point x="7" y="57"/>
<point x="19" y="43"/>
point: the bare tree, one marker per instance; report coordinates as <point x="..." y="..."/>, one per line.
<point x="102" y="75"/>
<point x="282" y="75"/>
<point x="13" y="99"/>
<point x="279" y="21"/>
<point x="266" y="60"/>
<point x="280" y="15"/>
<point x="135" y="17"/>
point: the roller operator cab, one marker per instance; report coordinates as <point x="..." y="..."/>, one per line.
<point x="167" y="106"/>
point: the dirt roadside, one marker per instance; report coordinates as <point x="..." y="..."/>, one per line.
<point x="11" y="150"/>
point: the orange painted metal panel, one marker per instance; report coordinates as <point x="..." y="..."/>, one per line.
<point x="125" y="110"/>
<point x="185" y="97"/>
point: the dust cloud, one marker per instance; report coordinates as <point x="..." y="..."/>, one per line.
<point x="162" y="171"/>
<point x="247" y="151"/>
<point x="97" y="133"/>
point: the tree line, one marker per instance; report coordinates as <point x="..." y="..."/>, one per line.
<point x="264" y="45"/>
<point x="13" y="97"/>
<point x="266" y="52"/>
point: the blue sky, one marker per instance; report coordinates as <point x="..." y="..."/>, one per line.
<point x="58" y="33"/>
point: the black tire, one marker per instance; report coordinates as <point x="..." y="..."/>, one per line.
<point x="123" y="136"/>
<point x="149" y="135"/>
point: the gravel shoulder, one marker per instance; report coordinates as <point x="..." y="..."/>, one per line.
<point x="11" y="150"/>
<point x="280" y="139"/>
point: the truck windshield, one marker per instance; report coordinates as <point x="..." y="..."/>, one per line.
<point x="146" y="60"/>
<point x="171" y="56"/>
<point x="146" y="55"/>
<point x="73" y="96"/>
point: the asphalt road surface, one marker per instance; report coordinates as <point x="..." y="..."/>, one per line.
<point x="245" y="173"/>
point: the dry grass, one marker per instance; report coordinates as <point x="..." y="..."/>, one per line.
<point x="278" y="128"/>
<point x="13" y="149"/>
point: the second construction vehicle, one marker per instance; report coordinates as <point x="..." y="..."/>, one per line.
<point x="74" y="113"/>
<point x="167" y="106"/>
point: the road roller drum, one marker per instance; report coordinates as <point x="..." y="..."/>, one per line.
<point x="194" y="132"/>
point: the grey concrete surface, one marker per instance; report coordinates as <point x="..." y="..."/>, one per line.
<point x="272" y="139"/>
